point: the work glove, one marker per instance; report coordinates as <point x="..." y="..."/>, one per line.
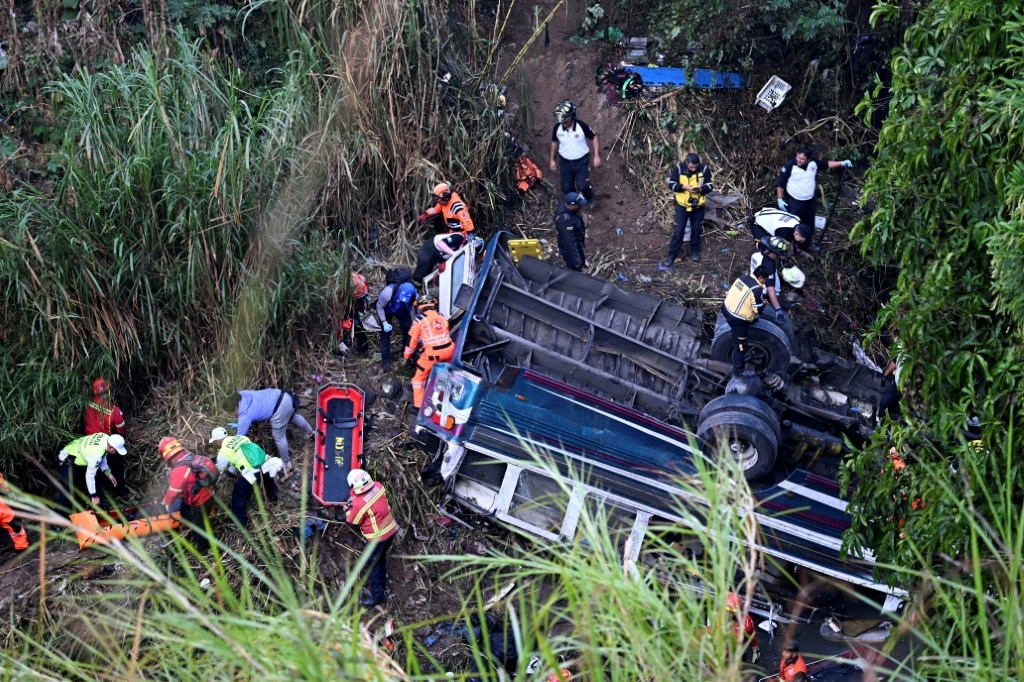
<point x="421" y="218"/>
<point x="783" y="206"/>
<point x="755" y="654"/>
<point x="446" y="256"/>
<point x="846" y="163"/>
<point x="386" y="326"/>
<point x="780" y="315"/>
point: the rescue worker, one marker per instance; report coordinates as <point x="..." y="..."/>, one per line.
<point x="690" y="180"/>
<point x="572" y="231"/>
<point x="795" y="190"/>
<point x="451" y="208"/>
<point x="792" y="663"/>
<point x="774" y="250"/>
<point x="395" y="302"/>
<point x="82" y="458"/>
<point x="569" y="139"/>
<point x="185" y="492"/>
<point x="434" y="252"/>
<point x="741" y="307"/>
<point x="19" y="538"/>
<point x="238" y="454"/>
<point x="368" y="508"/>
<point x="102" y="415"/>
<point x="351" y="307"/>
<point x="747" y="634"/>
<point x="276" y="405"/>
<point x="430" y="332"/>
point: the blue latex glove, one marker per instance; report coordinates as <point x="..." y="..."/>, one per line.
<point x="386" y="326"/>
<point x="846" y="163"/>
<point x="783" y="206"/>
<point x="780" y="315"/>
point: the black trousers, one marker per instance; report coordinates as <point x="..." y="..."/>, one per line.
<point x="574" y="176"/>
<point x="696" y="220"/>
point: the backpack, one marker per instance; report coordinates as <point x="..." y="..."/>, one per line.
<point x="627" y="84"/>
<point x="204" y="471"/>
<point x="397" y="276"/>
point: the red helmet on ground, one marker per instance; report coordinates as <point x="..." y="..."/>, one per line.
<point x="733" y="602"/>
<point x="169" y="447"/>
<point x="360" y="287"/>
<point x="100" y="386"/>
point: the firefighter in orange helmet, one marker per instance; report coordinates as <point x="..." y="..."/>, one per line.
<point x="431" y="332"/>
<point x="19" y="538"/>
<point x="451" y="208"/>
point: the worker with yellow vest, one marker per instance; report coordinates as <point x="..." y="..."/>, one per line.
<point x="742" y="305"/>
<point x="429" y="335"/>
<point x="690" y="181"/>
<point x="238" y="454"/>
<point x="82" y="458"/>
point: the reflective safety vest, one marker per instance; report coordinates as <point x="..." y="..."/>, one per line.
<point x="372" y="513"/>
<point x="431" y="330"/>
<point x="87" y="447"/>
<point x="242" y="453"/>
<point x="455" y="214"/>
<point x="744" y="299"/>
<point x="697" y="177"/>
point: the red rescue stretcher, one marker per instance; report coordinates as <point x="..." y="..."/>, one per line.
<point x="339" y="442"/>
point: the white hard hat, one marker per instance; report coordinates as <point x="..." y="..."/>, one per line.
<point x="359" y="480"/>
<point x="117" y="442"/>
<point x="794" y="276"/>
<point x="219" y="433"/>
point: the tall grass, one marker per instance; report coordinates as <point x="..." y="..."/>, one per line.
<point x="188" y="222"/>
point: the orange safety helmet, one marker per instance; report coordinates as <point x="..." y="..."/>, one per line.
<point x="100" y="386"/>
<point x="733" y="602"/>
<point x="169" y="447"/>
<point x="442" y="192"/>
<point x="360" y="287"/>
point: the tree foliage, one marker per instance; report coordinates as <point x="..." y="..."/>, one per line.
<point x="948" y="183"/>
<point x="726" y="30"/>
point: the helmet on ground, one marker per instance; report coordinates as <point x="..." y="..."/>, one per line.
<point x="442" y="192"/>
<point x="360" y="287"/>
<point x="565" y="111"/>
<point x="733" y="602"/>
<point x="776" y="245"/>
<point x="427" y="303"/>
<point x="406" y="293"/>
<point x="117" y="442"/>
<point x="794" y="276"/>
<point x="100" y="386"/>
<point x="169" y="447"/>
<point x="359" y="481"/>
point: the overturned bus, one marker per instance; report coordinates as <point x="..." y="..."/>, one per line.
<point x="621" y="392"/>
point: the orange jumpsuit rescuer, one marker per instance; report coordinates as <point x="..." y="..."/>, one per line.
<point x="430" y="330"/>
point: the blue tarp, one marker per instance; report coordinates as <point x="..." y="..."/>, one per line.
<point x="708" y="79"/>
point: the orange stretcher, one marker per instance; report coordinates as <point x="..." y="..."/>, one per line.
<point x="339" y="442"/>
<point x="91" y="530"/>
